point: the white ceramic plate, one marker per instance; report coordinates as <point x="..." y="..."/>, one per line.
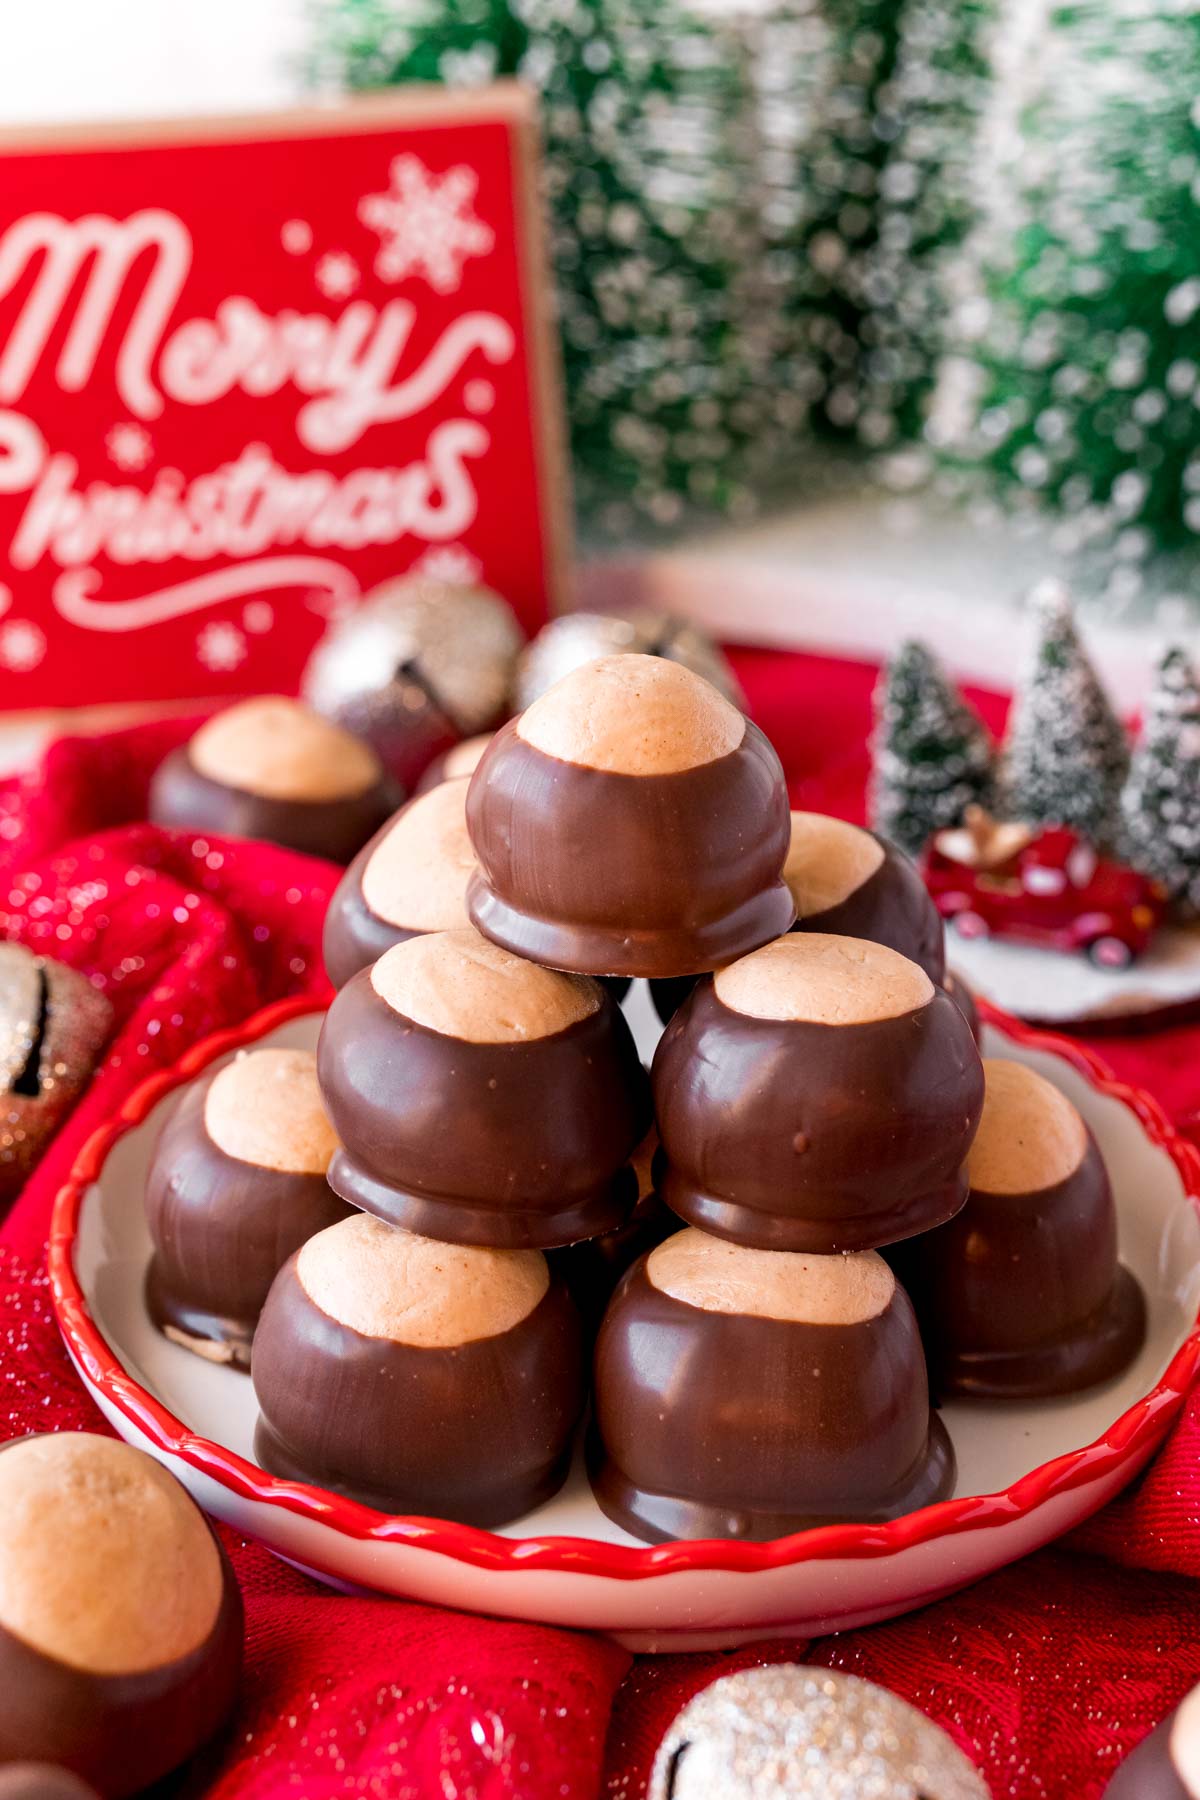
<point x="1027" y="1472"/>
<point x="1059" y="990"/>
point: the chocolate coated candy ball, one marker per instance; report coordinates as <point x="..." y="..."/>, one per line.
<point x="1021" y="1294"/>
<point x="411" y="878"/>
<point x="42" y="1781"/>
<point x="583" y="637"/>
<point x="269" y="768"/>
<point x="120" y="1619"/>
<point x="854" y="884"/>
<point x="820" y="1094"/>
<point x="236" y="1183"/>
<point x="480" y="1098"/>
<point x="793" y="1733"/>
<point x="630" y="822"/>
<point x="53" y="1027"/>
<point x="751" y="1393"/>
<point x="417" y="666"/>
<point x="1165" y="1765"/>
<point x="419" y="1377"/>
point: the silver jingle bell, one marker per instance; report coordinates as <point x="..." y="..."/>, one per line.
<point x="53" y="1028"/>
<point x="456" y="644"/>
<point x="568" y="642"/>
<point x="790" y="1732"/>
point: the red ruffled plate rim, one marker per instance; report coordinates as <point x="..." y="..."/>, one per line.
<point x="1142" y="1425"/>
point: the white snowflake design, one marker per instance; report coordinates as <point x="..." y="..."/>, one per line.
<point x="22" y="645"/>
<point x="296" y="236"/>
<point x="336" y="274"/>
<point x="426" y="225"/>
<point x="451" y="563"/>
<point x="258" y="616"/>
<point x="129" y="446"/>
<point x="221" y="647"/>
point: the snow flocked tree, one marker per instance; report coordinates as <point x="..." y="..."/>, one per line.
<point x="1066" y="755"/>
<point x="932" y="753"/>
<point x="665" y="307"/>
<point x="1160" y="804"/>
<point x="1079" y="289"/>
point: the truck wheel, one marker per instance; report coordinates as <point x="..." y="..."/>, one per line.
<point x="970" y="925"/>
<point x="1109" y="953"/>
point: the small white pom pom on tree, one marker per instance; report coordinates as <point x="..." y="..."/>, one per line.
<point x="1160" y="804"/>
<point x="1067" y="754"/>
<point x="932" y="754"/>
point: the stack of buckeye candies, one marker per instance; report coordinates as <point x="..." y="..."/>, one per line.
<point x="421" y="1354"/>
<point x="758" y="1367"/>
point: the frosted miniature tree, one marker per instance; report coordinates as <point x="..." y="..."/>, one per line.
<point x="1160" y="804"/>
<point x="1067" y="754"/>
<point x="932" y="753"/>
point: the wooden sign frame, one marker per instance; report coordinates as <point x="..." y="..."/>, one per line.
<point x="508" y="106"/>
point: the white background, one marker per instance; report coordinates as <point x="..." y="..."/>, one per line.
<point x="92" y="59"/>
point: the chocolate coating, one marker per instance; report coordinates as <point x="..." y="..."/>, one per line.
<point x="222" y="1229"/>
<point x="713" y="1424"/>
<point x="893" y="907"/>
<point x="42" y="1781"/>
<point x="480" y="1432"/>
<point x="181" y="796"/>
<point x="789" y="1135"/>
<point x="616" y="874"/>
<point x="592" y="1269"/>
<point x="1020" y="1296"/>
<point x="964" y="999"/>
<point x="119" y="1732"/>
<point x="510" y="1144"/>
<point x="1150" y="1772"/>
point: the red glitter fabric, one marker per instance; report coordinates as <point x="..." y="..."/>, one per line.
<point x="1047" y="1674"/>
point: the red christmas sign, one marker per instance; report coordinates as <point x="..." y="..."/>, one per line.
<point x="249" y="369"/>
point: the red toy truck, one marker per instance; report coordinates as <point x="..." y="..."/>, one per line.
<point x="1047" y="888"/>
